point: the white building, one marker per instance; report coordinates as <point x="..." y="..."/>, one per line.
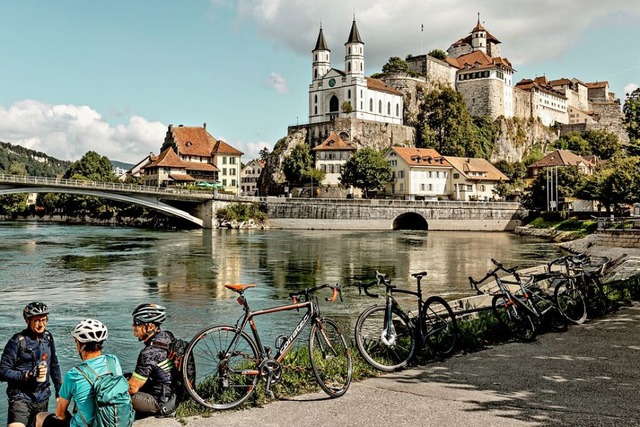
<point x="249" y="177"/>
<point x="330" y="157"/>
<point x="417" y="173"/>
<point x="336" y="93"/>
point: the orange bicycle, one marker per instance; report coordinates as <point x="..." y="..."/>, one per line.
<point x="228" y="362"/>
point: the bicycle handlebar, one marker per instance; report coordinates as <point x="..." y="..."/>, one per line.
<point x="336" y="290"/>
<point x="493" y="273"/>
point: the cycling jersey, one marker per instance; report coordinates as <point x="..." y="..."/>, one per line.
<point x="154" y="367"/>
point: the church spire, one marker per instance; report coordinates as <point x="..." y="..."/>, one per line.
<point x="354" y="35"/>
<point x="321" y="57"/>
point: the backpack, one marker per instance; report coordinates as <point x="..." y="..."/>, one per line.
<point x="176" y="350"/>
<point x="111" y="396"/>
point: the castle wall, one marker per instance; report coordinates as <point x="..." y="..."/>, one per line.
<point x="483" y="96"/>
<point x="609" y="117"/>
<point x="522" y="105"/>
<point x="359" y="133"/>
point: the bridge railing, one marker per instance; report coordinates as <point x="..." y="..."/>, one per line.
<point x="112" y="186"/>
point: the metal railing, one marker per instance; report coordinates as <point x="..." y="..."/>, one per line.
<point x="97" y="185"/>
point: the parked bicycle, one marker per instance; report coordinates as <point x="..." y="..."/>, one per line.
<point x="388" y="337"/>
<point x="521" y="306"/>
<point x="229" y="362"/>
<point x="582" y="294"/>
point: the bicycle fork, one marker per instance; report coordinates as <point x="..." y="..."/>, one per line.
<point x="388" y="335"/>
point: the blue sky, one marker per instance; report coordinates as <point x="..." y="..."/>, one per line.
<point x="110" y="76"/>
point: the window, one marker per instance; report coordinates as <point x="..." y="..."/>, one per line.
<point x="388" y="108"/>
<point x="430" y="187"/>
<point x="232" y="171"/>
<point x="437" y="174"/>
<point x="397" y="109"/>
<point x="371" y="104"/>
<point x="349" y="94"/>
<point x="224" y="160"/>
<point x="401" y="174"/>
<point x="224" y="182"/>
<point x="469" y="188"/>
<point x="233" y="182"/>
<point x="379" y="107"/>
<point x="224" y="171"/>
<point x="421" y="187"/>
<point x="482" y="188"/>
<point x="232" y="160"/>
<point x="315" y="99"/>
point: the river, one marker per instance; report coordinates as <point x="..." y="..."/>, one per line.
<point x="104" y="272"/>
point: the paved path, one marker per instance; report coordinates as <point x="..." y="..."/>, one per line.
<point x="587" y="376"/>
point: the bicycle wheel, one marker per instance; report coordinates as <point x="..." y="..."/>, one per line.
<point x="225" y="361"/>
<point x="598" y="304"/>
<point x="570" y="301"/>
<point x="440" y="326"/>
<point x="330" y="357"/>
<point x="387" y="349"/>
<point x="513" y="318"/>
<point x="552" y="317"/>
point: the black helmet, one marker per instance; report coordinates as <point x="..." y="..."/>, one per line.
<point x="35" y="309"/>
<point x="150" y="313"/>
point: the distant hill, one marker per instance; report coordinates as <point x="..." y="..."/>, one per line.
<point x="121" y="165"/>
<point x="35" y="162"/>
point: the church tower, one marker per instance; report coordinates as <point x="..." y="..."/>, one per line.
<point x="321" y="57"/>
<point x="479" y="37"/>
<point x="354" y="53"/>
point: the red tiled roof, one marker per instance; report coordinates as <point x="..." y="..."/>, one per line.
<point x="181" y="177"/>
<point x="560" y="158"/>
<point x="193" y="141"/>
<point x="204" y="167"/>
<point x="466" y="165"/>
<point x="168" y="159"/>
<point x="539" y="83"/>
<point x="334" y="143"/>
<point x="597" y="85"/>
<point x="378" y="85"/>
<point x="479" y="59"/>
<point x="222" y="147"/>
<point x="421" y="156"/>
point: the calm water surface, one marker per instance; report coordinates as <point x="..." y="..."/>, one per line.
<point x="103" y="273"/>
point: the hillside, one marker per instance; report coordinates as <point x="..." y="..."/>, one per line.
<point x="35" y="163"/>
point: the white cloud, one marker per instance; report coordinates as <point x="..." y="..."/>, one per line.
<point x="277" y="82"/>
<point x="628" y="89"/>
<point x="67" y="132"/>
<point x="535" y="30"/>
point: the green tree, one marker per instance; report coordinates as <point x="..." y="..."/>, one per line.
<point x="438" y="54"/>
<point x="366" y="170"/>
<point x="93" y="167"/>
<point x="574" y="142"/>
<point x="297" y="163"/>
<point x="395" y="65"/>
<point x="18" y="169"/>
<point x="614" y="183"/>
<point x="569" y="179"/>
<point x="631" y="111"/>
<point x="602" y="144"/>
<point x="445" y="124"/>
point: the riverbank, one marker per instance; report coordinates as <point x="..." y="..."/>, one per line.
<point x="577" y="378"/>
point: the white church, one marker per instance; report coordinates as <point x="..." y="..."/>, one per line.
<point x="335" y="93"/>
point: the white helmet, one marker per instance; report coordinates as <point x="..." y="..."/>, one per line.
<point x="90" y="330"/>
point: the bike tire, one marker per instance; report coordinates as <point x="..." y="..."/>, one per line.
<point x="570" y="301"/>
<point x="553" y="318"/>
<point x="224" y="377"/>
<point x="598" y="303"/>
<point x="440" y="326"/>
<point x="514" y="319"/>
<point x="386" y="353"/>
<point x="330" y="357"/>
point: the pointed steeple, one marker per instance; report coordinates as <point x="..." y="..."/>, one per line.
<point x="321" y="44"/>
<point x="478" y="26"/>
<point x="354" y="35"/>
<point x="321" y="57"/>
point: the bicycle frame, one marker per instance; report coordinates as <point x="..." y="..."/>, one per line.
<point x="248" y="318"/>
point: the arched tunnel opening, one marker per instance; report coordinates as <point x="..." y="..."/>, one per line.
<point x="410" y="221"/>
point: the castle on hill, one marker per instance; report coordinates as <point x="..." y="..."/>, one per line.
<point x="373" y="112"/>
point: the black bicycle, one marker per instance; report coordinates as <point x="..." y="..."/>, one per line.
<point x="521" y="306"/>
<point x="229" y="363"/>
<point x="387" y="337"/>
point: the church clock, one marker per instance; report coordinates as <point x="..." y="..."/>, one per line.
<point x="332" y="82"/>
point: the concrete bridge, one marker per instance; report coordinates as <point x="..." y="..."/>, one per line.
<point x="200" y="207"/>
<point x="195" y="206"/>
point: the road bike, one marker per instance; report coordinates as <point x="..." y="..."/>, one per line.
<point x="387" y="337"/>
<point x="521" y="306"/>
<point x="229" y="362"/>
<point x="582" y="294"/>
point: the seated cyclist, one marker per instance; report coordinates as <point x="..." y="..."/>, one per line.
<point x="152" y="383"/>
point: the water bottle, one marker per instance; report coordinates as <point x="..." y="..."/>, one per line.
<point x="42" y="369"/>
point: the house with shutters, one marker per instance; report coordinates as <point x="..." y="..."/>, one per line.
<point x="191" y="155"/>
<point x="417" y="173"/>
<point x="249" y="177"/>
<point x="473" y="179"/>
<point x="330" y="157"/>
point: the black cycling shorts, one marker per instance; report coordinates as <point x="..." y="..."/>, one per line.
<point x="21" y="411"/>
<point x="53" y="421"/>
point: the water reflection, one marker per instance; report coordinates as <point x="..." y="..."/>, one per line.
<point x="105" y="272"/>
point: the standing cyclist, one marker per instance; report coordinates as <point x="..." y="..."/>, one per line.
<point x="152" y="383"/>
<point x="89" y="336"/>
<point x="28" y="362"/>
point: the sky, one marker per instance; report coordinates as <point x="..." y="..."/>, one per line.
<point x="110" y="76"/>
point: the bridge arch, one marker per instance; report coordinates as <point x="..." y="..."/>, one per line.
<point x="410" y="221"/>
<point x="139" y="199"/>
